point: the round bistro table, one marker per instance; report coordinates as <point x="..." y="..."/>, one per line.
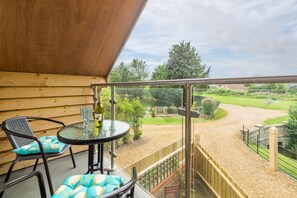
<point x="75" y="134"/>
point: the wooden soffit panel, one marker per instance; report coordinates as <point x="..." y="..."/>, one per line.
<point x="75" y="37"/>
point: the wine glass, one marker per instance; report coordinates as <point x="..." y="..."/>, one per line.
<point x="85" y="113"/>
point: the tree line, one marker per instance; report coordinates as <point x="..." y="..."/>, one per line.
<point x="183" y="62"/>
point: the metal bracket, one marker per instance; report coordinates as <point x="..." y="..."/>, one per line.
<point x="114" y="155"/>
<point x="113" y="102"/>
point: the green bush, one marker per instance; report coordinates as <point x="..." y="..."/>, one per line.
<point x="167" y="96"/>
<point x="292" y="126"/>
<point x="153" y="112"/>
<point x="137" y="113"/>
<point x="209" y="106"/>
<point x="171" y="110"/>
<point x="223" y="91"/>
<point x="127" y="139"/>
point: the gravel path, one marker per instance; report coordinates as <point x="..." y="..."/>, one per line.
<point x="221" y="139"/>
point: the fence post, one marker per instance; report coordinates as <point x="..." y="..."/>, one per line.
<point x="273" y="148"/>
<point x="243" y="133"/>
<point x="196" y="139"/>
<point x="248" y="137"/>
<point x="260" y="127"/>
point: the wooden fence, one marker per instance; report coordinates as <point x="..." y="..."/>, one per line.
<point x="44" y="95"/>
<point x="213" y="177"/>
<point x="153" y="176"/>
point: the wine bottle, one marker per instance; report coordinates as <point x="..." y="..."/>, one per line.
<point x="99" y="111"/>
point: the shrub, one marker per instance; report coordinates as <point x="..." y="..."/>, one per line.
<point x="137" y="113"/>
<point x="137" y="132"/>
<point x="171" y="110"/>
<point x="127" y="139"/>
<point x="153" y="112"/>
<point x="292" y="126"/>
<point x="223" y="91"/>
<point x="209" y="106"/>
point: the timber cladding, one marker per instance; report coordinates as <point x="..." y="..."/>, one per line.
<point x="44" y="95"/>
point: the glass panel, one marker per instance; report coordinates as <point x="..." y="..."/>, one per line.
<point x="232" y="119"/>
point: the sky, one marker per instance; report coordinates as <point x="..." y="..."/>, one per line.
<point x="237" y="38"/>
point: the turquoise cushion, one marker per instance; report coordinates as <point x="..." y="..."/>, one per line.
<point x="89" y="185"/>
<point x="50" y="145"/>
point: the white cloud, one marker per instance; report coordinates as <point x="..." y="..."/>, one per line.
<point x="253" y="37"/>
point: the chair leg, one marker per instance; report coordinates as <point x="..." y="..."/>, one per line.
<point x="8" y="174"/>
<point x="10" y="170"/>
<point x="50" y="184"/>
<point x="35" y="165"/>
<point x="72" y="157"/>
<point x="132" y="192"/>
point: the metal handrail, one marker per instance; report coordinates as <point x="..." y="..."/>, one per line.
<point x="208" y="81"/>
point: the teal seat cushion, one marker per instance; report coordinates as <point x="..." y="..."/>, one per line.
<point x="50" y="145"/>
<point x="88" y="185"/>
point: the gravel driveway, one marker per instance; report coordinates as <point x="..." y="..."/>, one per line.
<point x="222" y="140"/>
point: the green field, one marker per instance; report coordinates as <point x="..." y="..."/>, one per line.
<point x="178" y="119"/>
<point x="254" y="102"/>
<point x="277" y="120"/>
<point x="285" y="164"/>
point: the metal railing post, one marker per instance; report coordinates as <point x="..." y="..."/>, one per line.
<point x="188" y="146"/>
<point x="112" y="146"/>
<point x="95" y="99"/>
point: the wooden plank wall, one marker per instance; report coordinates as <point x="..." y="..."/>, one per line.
<point x="45" y="95"/>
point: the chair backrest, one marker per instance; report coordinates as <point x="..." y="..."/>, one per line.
<point x="17" y="125"/>
<point x="129" y="186"/>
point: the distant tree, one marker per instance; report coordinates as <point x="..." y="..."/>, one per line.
<point x="137" y="68"/>
<point x="120" y="73"/>
<point x="160" y="73"/>
<point x="135" y="71"/>
<point x="184" y="62"/>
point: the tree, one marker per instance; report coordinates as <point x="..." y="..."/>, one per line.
<point x="160" y="73"/>
<point x="137" y="68"/>
<point x="120" y="73"/>
<point x="184" y="62"/>
<point x="135" y="71"/>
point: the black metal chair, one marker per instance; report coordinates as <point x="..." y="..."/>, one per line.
<point x="127" y="190"/>
<point x="7" y="185"/>
<point x="19" y="134"/>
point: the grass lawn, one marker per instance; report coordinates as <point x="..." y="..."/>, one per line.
<point x="178" y="119"/>
<point x="285" y="164"/>
<point x="277" y="120"/>
<point x="253" y="102"/>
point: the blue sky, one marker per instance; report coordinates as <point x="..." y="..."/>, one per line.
<point x="235" y="37"/>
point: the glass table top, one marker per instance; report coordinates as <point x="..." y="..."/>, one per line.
<point x="75" y="134"/>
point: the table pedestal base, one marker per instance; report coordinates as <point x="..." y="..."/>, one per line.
<point x="92" y="166"/>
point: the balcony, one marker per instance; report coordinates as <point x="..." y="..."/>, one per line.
<point x="208" y="156"/>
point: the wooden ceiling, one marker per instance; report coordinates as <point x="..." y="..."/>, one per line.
<point x="75" y="37"/>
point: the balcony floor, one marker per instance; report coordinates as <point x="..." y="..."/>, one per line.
<point x="59" y="169"/>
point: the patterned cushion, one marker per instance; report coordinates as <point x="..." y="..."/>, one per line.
<point x="89" y="185"/>
<point x="50" y="145"/>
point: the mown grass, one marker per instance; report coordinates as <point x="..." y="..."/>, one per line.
<point x="178" y="119"/>
<point x="277" y="120"/>
<point x="254" y="102"/>
<point x="286" y="164"/>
